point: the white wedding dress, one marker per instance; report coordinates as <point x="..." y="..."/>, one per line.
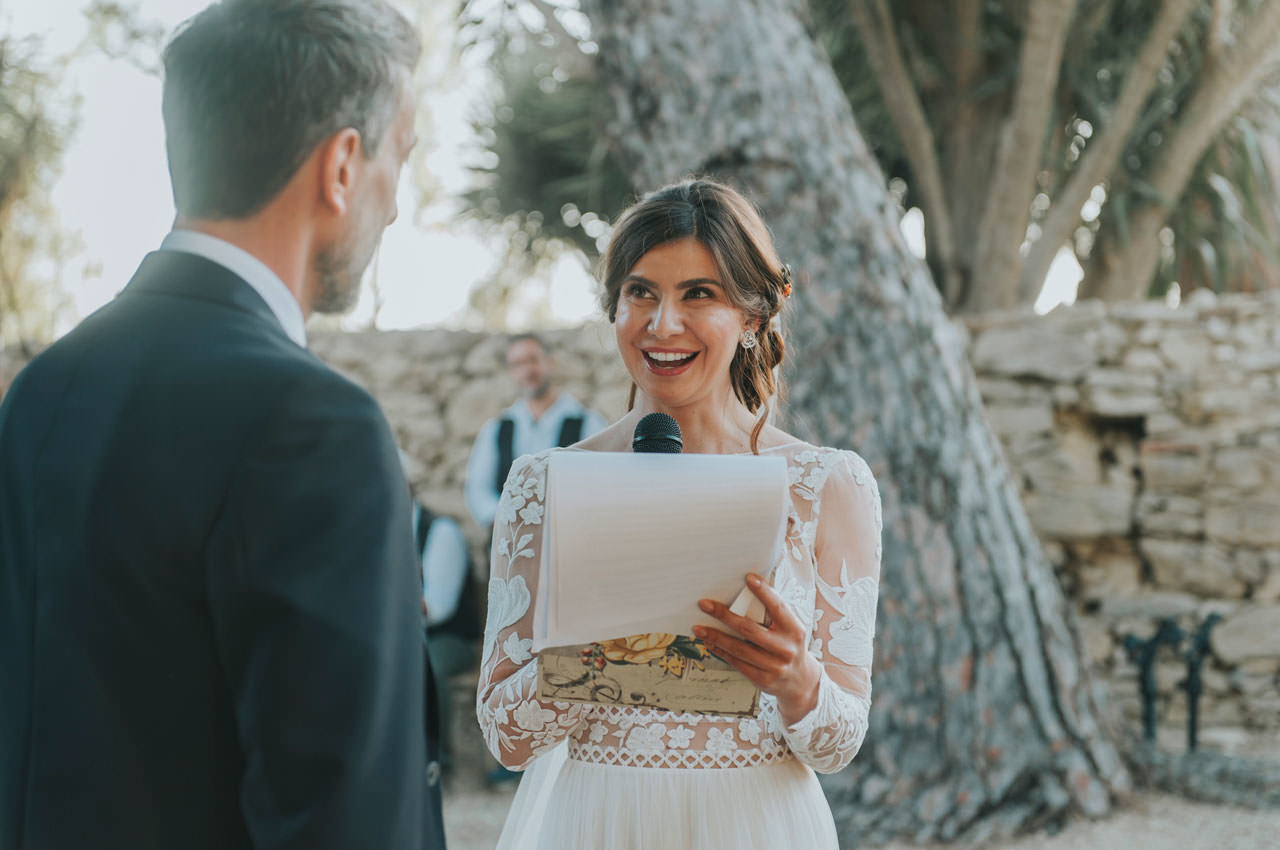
<point x="628" y="778"/>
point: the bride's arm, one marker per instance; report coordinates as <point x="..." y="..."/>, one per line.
<point x="516" y="725"/>
<point x="847" y="549"/>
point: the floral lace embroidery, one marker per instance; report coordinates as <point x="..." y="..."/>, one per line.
<point x="828" y="737"/>
<point x="663" y="739"/>
<point x="834" y="591"/>
<point x="855" y="601"/>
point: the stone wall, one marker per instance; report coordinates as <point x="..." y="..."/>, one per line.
<point x="1146" y="441"/>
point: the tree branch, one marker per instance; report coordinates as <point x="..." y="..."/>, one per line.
<point x="1102" y="155"/>
<point x="1018" y="158"/>
<point x="1225" y="83"/>
<point x="1219" y="31"/>
<point x="962" y="147"/>
<point x="875" y="23"/>
<point x="968" y="43"/>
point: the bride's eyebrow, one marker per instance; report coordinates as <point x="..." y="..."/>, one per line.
<point x="684" y="284"/>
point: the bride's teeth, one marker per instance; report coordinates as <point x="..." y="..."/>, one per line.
<point x="668" y="357"/>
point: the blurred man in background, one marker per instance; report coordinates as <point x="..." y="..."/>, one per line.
<point x="543" y="417"/>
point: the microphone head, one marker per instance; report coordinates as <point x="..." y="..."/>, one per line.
<point x="657" y="433"/>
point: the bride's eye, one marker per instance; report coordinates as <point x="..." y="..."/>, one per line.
<point x="636" y="290"/>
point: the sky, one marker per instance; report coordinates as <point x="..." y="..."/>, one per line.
<point x="113" y="191"/>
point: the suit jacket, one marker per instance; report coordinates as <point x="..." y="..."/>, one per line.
<point x="210" y="632"/>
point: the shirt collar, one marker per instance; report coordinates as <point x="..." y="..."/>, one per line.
<point x="251" y="270"/>
<point x="564" y="405"/>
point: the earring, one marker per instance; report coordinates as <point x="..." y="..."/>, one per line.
<point x="748" y="339"/>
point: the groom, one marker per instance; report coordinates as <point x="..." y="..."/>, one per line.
<point x="210" y="633"/>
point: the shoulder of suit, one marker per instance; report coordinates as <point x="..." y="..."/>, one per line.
<point x="311" y="374"/>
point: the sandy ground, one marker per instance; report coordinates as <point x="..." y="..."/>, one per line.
<point x="474" y="814"/>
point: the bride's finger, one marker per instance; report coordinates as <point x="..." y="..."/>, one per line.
<point x="762" y="679"/>
<point x="744" y="626"/>
<point x="730" y="648"/>
<point x="780" y="613"/>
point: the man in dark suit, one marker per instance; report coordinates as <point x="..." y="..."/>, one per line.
<point x="210" y="627"/>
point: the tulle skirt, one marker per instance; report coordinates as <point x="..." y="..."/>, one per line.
<point x="565" y="804"/>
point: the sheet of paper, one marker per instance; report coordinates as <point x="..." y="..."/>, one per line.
<point x="633" y="541"/>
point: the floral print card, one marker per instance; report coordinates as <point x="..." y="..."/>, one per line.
<point x="664" y="671"/>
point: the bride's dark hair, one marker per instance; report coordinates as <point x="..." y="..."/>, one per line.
<point x="754" y="279"/>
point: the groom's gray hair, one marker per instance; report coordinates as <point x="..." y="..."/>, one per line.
<point x="252" y="86"/>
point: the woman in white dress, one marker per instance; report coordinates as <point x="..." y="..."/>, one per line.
<point x="694" y="287"/>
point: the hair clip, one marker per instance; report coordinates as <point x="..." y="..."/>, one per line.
<point x="786" y="280"/>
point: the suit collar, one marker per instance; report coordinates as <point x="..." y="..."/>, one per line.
<point x="192" y="276"/>
<point x="248" y="268"/>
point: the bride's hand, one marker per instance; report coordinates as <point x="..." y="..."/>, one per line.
<point x="775" y="657"/>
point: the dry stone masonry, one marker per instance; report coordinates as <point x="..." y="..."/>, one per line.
<point x="1146" y="441"/>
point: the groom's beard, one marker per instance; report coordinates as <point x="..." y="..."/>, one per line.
<point x="339" y="271"/>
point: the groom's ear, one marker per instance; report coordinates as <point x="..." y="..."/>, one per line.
<point x="340" y="157"/>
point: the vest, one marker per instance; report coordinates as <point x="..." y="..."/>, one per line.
<point x="570" y="433"/>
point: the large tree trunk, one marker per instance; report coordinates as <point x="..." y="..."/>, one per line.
<point x="984" y="719"/>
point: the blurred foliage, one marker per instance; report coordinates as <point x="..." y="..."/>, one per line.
<point x="436" y="24"/>
<point x="544" y="130"/>
<point x="38" y="117"/>
<point x="1224" y="232"/>
<point x="31" y="142"/>
<point x="547" y="182"/>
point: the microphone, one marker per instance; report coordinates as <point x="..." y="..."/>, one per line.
<point x="657" y="433"/>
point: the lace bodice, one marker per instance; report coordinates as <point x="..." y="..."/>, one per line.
<point x="829" y="574"/>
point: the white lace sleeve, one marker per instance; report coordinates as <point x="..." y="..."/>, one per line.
<point x="847" y="551"/>
<point x="517" y="726"/>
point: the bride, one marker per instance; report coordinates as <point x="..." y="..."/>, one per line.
<point x="694" y="288"/>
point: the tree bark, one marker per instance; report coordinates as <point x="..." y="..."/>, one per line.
<point x="1102" y="155"/>
<point x="1228" y="80"/>
<point x="1008" y="208"/>
<point x="984" y="718"/>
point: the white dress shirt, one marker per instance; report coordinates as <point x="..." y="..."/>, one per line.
<point x="445" y="562"/>
<point x="249" y="269"/>
<point x="531" y="435"/>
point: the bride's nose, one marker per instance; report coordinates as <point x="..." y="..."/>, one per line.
<point x="666" y="319"/>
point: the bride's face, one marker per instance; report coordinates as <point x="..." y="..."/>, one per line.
<point x="676" y="329"/>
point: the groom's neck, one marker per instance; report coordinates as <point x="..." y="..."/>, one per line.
<point x="280" y="241"/>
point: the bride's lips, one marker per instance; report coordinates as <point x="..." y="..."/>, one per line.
<point x="669" y="368"/>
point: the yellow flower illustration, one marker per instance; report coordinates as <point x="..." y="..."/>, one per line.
<point x="674" y="663"/>
<point x="637" y="649"/>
